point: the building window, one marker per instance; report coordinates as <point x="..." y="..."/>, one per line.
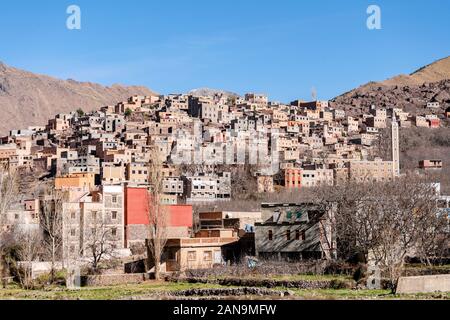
<point x="297" y="234"/>
<point x="192" y="256"/>
<point x="289" y="215"/>
<point x="114" y="215"/>
<point x="72" y="232"/>
<point x="94" y="215"/>
<point x="114" y="199"/>
<point x="288" y="235"/>
<point x="270" y="235"/>
<point x="172" y="255"/>
<point x="303" y="236"/>
<point x="207" y="256"/>
<point x="73" y="215"/>
<point x="114" y="232"/>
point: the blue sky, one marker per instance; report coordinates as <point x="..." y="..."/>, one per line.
<point x="282" y="48"/>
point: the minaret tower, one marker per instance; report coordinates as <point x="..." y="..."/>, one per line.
<point x="395" y="147"/>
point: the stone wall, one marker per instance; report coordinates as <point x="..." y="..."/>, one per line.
<point x="424" y="284"/>
<point x="270" y="283"/>
<point x="113" y="279"/>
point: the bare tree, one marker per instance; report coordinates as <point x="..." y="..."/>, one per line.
<point x="386" y="222"/>
<point x="407" y="210"/>
<point x="157" y="214"/>
<point x="51" y="222"/>
<point x="243" y="181"/>
<point x="27" y="249"/>
<point x="99" y="245"/>
<point x="8" y="189"/>
<point x="433" y="242"/>
<point x="6" y="246"/>
<point x="8" y="192"/>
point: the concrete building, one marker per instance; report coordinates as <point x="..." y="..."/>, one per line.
<point x="137" y="173"/>
<point x="196" y="253"/>
<point x="179" y="222"/>
<point x="259" y="99"/>
<point x="317" y="177"/>
<point x="173" y="186"/>
<point x="293" y="178"/>
<point x="205" y="188"/>
<point x="96" y="219"/>
<point x="113" y="173"/>
<point x="81" y="181"/>
<point x="240" y="222"/>
<point x="378" y="170"/>
<point x="430" y="165"/>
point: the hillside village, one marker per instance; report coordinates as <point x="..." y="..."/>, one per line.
<point x="100" y="161"/>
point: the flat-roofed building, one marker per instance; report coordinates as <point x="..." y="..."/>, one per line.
<point x="293" y="178"/>
<point x="377" y="170"/>
<point x="196" y="253"/>
<point x="430" y="164"/>
<point x="82" y="181"/>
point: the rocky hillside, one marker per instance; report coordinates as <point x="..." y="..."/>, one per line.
<point x="410" y="92"/>
<point x="28" y="99"/>
<point x="207" y="92"/>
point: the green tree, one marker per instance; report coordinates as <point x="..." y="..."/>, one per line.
<point x="80" y="112"/>
<point x="128" y="112"/>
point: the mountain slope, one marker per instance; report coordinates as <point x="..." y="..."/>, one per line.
<point x="28" y="99"/>
<point x="434" y="72"/>
<point x="207" y="92"/>
<point x="410" y="92"/>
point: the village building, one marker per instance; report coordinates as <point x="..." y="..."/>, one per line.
<point x="294" y="232"/>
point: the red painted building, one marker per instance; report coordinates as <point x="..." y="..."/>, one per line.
<point x="180" y="219"/>
<point x="136" y="210"/>
<point x="434" y="123"/>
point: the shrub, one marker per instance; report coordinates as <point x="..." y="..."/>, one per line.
<point x="80" y="112"/>
<point x="45" y="279"/>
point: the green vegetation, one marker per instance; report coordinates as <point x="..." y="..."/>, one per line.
<point x="80" y="112"/>
<point x="289" y="277"/>
<point x="154" y="289"/>
<point x="348" y="294"/>
<point x="313" y="277"/>
<point x="128" y="112"/>
<point x="97" y="293"/>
